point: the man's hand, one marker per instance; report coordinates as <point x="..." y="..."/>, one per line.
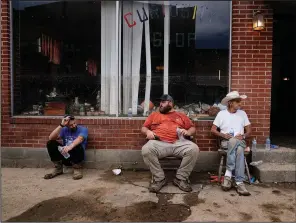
<point x="66" y="149"/>
<point x="184" y="132"/>
<point x="65" y="121"/>
<point x="239" y="136"/>
<point x="150" y="135"/>
<point x="226" y="136"/>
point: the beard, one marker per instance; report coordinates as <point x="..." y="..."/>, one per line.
<point x="165" y="109"/>
<point x="73" y="129"/>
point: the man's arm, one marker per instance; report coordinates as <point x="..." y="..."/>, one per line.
<point x="248" y="131"/>
<point x="54" y="135"/>
<point x="188" y="127"/>
<point x="246" y="135"/>
<point x="215" y="131"/>
<point x="148" y="133"/>
<point x="145" y="129"/>
<point x="82" y="136"/>
<point x="191" y="131"/>
<point x="247" y="128"/>
<point x="75" y="143"/>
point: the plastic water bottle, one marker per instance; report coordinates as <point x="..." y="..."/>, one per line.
<point x="267" y="144"/>
<point x="254" y="149"/>
<point x="180" y="136"/>
<point x="130" y="113"/>
<point x="66" y="155"/>
<point x="231" y="132"/>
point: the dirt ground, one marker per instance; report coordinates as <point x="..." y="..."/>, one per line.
<point x="102" y="196"/>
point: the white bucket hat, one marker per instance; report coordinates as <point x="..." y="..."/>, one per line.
<point x="232" y="95"/>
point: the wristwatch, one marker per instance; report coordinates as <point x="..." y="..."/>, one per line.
<point x="62" y="125"/>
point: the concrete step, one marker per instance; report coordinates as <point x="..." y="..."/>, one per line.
<point x="280" y="155"/>
<point x="275" y="172"/>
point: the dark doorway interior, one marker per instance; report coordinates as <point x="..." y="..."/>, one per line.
<point x="283" y="99"/>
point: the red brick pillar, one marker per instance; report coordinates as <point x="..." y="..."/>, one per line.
<point x="5" y="67"/>
<point x="252" y="63"/>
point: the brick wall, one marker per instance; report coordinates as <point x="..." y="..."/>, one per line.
<point x="103" y="133"/>
<point x="252" y="64"/>
<point x="251" y="74"/>
<point x="5" y="63"/>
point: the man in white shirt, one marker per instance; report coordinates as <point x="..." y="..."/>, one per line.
<point x="234" y="127"/>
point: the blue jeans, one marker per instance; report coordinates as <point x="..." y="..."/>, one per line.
<point x="235" y="158"/>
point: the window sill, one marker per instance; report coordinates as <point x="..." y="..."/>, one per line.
<point x="77" y="117"/>
<point x="87" y="120"/>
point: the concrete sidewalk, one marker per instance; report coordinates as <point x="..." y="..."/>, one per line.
<point x="102" y="196"/>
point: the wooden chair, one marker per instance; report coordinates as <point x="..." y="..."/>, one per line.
<point x="223" y="154"/>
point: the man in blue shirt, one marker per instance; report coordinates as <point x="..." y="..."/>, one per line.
<point x="74" y="139"/>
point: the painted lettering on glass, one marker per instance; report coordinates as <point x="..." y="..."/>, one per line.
<point x="145" y="16"/>
<point x="126" y="20"/>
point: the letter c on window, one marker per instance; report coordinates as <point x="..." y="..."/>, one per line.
<point x="126" y="20"/>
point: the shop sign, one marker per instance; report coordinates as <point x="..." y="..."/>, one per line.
<point x="154" y="13"/>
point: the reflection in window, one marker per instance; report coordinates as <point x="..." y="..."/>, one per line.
<point x="57" y="57"/>
<point x="198" y="55"/>
<point x="69" y="57"/>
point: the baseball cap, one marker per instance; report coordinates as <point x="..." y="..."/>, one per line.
<point x="166" y="97"/>
<point x="70" y="116"/>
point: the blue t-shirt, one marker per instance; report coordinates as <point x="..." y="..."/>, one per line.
<point x="68" y="136"/>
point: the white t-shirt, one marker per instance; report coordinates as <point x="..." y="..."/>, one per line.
<point x="236" y="121"/>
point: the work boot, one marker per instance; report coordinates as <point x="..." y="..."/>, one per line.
<point x="241" y="189"/>
<point x="184" y="185"/>
<point x="77" y="174"/>
<point x="156" y="186"/>
<point x="227" y="183"/>
<point x="58" y="170"/>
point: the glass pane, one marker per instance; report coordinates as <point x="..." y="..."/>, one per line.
<point x="148" y="20"/>
<point x="198" y="54"/>
<point x="58" y="67"/>
<point x="57" y="57"/>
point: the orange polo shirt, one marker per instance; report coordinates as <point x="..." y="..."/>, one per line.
<point x="165" y="125"/>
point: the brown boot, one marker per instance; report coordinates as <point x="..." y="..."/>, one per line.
<point x="242" y="190"/>
<point x="184" y="185"/>
<point x="58" y="170"/>
<point x="77" y="171"/>
<point x="155" y="186"/>
<point x="227" y="183"/>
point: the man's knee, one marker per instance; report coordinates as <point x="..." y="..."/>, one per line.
<point x="193" y="150"/>
<point x="51" y="144"/>
<point x="147" y="149"/>
<point x="240" y="150"/>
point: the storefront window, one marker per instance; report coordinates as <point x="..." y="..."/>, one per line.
<point x="109" y="57"/>
<point x="56" y="57"/>
<point x="189" y="54"/>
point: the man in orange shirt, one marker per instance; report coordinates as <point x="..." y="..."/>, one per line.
<point x="161" y="130"/>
